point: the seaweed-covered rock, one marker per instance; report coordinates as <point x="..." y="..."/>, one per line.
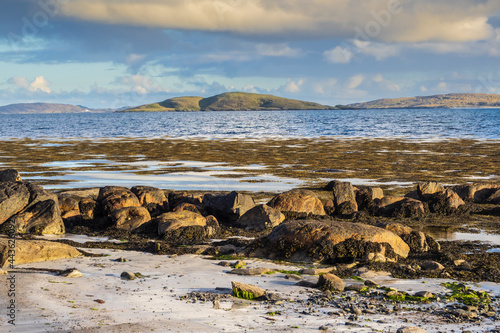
<point x="191" y="207"/>
<point x="247" y="291"/>
<point x="261" y="217"/>
<point x="152" y="198"/>
<point x="327" y="241"/>
<point x="9" y="175"/>
<point x="365" y="197"/>
<point x="344" y="192"/>
<point x="228" y="206"/>
<point x="87" y="207"/>
<point x="130" y="218"/>
<point x="330" y="282"/>
<point x="176" y="220"/>
<point x="299" y="201"/>
<point x="476" y="192"/>
<point x="494" y="198"/>
<point x="426" y="188"/>
<point x="444" y="202"/>
<point x="14" y="196"/>
<point x="43" y="217"/>
<point x="399" y="207"/>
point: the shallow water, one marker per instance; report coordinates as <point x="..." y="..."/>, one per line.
<point x="445" y="234"/>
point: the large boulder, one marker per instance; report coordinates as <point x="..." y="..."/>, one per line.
<point x="116" y="197"/>
<point x="130" y="218"/>
<point x="261" y="217"/>
<point x="177" y="220"/>
<point x="399" y="207"/>
<point x="327" y="241"/>
<point x="426" y="188"/>
<point x="9" y="175"/>
<point x="28" y="251"/>
<point x="14" y="196"/>
<point x="476" y="192"/>
<point x="298" y="201"/>
<point x="228" y="207"/>
<point x="343" y="192"/>
<point x="152" y="198"/>
<point x="330" y="282"/>
<point x="42" y="217"/>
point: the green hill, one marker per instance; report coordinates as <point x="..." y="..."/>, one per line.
<point x="435" y="101"/>
<point x="231" y="101"/>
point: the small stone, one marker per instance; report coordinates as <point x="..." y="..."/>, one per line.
<point x="293" y="277"/>
<point x="224" y="264"/>
<point x="100" y="301"/>
<point x="424" y="294"/>
<point x="127" y="276"/>
<point x="216" y="304"/>
<point x="355" y="310"/>
<point x="410" y="329"/>
<point x="431" y="266"/>
<point x="239" y="264"/>
<point x="371" y="283"/>
<point x="324" y="328"/>
<point x="246" y="291"/>
<point x="330" y="282"/>
<point x="72" y="273"/>
<point x="458" y="262"/>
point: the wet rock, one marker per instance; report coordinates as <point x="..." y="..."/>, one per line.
<point x="370" y="283"/>
<point x="29" y="251"/>
<point x="195" y="198"/>
<point x="465" y="314"/>
<point x="39" y="194"/>
<point x="130" y="218"/>
<point x="43" y="217"/>
<point x="115" y="197"/>
<point x="9" y="175"/>
<point x="299" y="201"/>
<point x="410" y="329"/>
<point x="293" y="277"/>
<point x="251" y="271"/>
<point x="127" y="276"/>
<point x="152" y="198"/>
<point x="330" y="282"/>
<point x="343" y="192"/>
<point x="326" y="241"/>
<point x="260" y="217"/>
<point x="246" y="291"/>
<point x="431" y="266"/>
<point x="238" y="264"/>
<point x="14" y="197"/>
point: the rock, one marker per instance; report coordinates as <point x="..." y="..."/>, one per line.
<point x="330" y="282"/>
<point x="400" y="207"/>
<point x="14" y="197"/>
<point x="424" y="294"/>
<point x="431" y="266"/>
<point x="396" y="228"/>
<point x="238" y="264"/>
<point x="212" y="226"/>
<point x="410" y="329"/>
<point x="228" y="207"/>
<point x="347" y="208"/>
<point x="130" y="218"/>
<point x="9" y="175"/>
<point x="444" y="202"/>
<point x="293" y="277"/>
<point x="418" y="242"/>
<point x="494" y="198"/>
<point x="30" y="251"/>
<point x="458" y="262"/>
<point x="67" y="203"/>
<point x="127" y="276"/>
<point x="72" y="273"/>
<point x="371" y="283"/>
<point x="152" y="198"/>
<point x="250" y="271"/>
<point x="365" y="197"/>
<point x="190" y="207"/>
<point x="175" y="198"/>
<point x="343" y="192"/>
<point x="315" y="271"/>
<point x="90" y="193"/>
<point x="246" y="291"/>
<point x="298" y="201"/>
<point x="116" y="197"/>
<point x="326" y="241"/>
<point x="87" y="207"/>
<point x="260" y="217"/>
<point x="476" y="192"/>
<point x="39" y="194"/>
<point x="374" y="257"/>
<point x="426" y="188"/>
<point x="465" y="314"/>
<point x="181" y="219"/>
<point x="43" y="217"/>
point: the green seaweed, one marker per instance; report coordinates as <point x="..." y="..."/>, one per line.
<point x="461" y="293"/>
<point x="243" y="294"/>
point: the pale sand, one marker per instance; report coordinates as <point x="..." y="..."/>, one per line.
<point x="50" y="303"/>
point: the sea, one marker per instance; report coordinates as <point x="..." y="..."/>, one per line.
<point x="387" y="123"/>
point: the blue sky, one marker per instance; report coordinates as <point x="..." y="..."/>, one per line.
<point x="113" y="53"/>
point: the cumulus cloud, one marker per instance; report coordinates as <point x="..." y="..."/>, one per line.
<point x="355" y="81"/>
<point x="294" y="86"/>
<point x="402" y="21"/>
<point x="38" y="84"/>
<point x="339" y="55"/>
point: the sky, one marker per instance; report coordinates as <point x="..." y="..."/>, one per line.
<point x="115" y="53"/>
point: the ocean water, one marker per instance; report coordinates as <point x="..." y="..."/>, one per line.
<point x="405" y="123"/>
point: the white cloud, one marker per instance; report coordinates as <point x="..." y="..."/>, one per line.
<point x="400" y="21"/>
<point x="19" y="81"/>
<point x="141" y="85"/>
<point x="277" y="50"/>
<point x="379" y="51"/>
<point x="355" y="81"/>
<point x="40" y="84"/>
<point x="325" y="87"/>
<point x="339" y="55"/>
<point x="293" y="86"/>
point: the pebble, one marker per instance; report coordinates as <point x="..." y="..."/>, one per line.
<point x="127" y="276"/>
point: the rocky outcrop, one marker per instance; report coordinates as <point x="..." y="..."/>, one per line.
<point x="14" y="196"/>
<point x="261" y="217"/>
<point x="298" y="201"/>
<point x="9" y="175"/>
<point x="130" y="218"/>
<point x="29" y="251"/>
<point x="153" y="199"/>
<point x="329" y="241"/>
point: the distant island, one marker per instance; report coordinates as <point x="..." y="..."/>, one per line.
<point x="39" y="108"/>
<point x="435" y="101"/>
<point x="230" y="101"/>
